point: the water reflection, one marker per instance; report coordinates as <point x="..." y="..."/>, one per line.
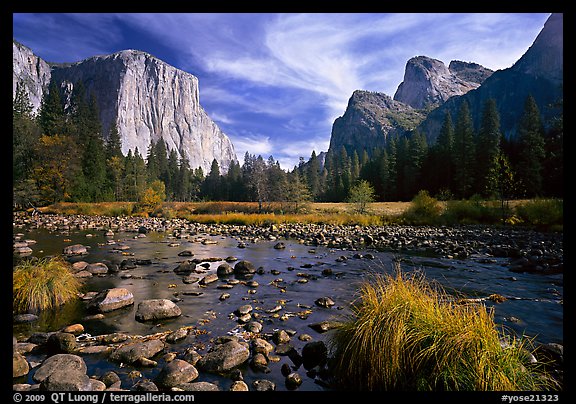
<point x="292" y="278"/>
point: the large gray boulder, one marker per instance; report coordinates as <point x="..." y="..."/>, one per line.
<point x="224" y="357"/>
<point x="63" y="372"/>
<point x="157" y="309"/>
<point x="110" y="299"/>
<point x="244" y="267"/>
<point x="132" y="352"/>
<point x="175" y="373"/>
<point x="75" y="249"/>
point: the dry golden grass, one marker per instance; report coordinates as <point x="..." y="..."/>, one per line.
<point x="45" y="283"/>
<point x="407" y="334"/>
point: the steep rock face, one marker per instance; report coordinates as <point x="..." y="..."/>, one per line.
<point x="545" y="57"/>
<point x="149" y="99"/>
<point x="34" y="72"/>
<point x="370" y="118"/>
<point x="428" y="82"/>
<point x="469" y="71"/>
<point x="539" y="72"/>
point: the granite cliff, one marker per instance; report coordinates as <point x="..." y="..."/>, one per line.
<point x="429" y="83"/>
<point x="32" y="71"/>
<point x="147" y="98"/>
<point x="430" y="90"/>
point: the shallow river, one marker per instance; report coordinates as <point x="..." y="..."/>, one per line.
<point x="292" y="278"/>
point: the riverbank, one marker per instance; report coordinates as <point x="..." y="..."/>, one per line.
<point x="527" y="249"/>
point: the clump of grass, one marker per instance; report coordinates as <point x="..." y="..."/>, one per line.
<point x="407" y="334"/>
<point x="40" y="284"/>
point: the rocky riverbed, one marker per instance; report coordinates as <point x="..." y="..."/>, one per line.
<point x="176" y="305"/>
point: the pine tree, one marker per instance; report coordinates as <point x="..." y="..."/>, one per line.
<point x="297" y="192"/>
<point x="212" y="182"/>
<point x="25" y="134"/>
<point x="417" y="151"/>
<point x="488" y="149"/>
<point x="152" y="167"/>
<point x="172" y="175"/>
<point x="276" y="181"/>
<point x="114" y="162"/>
<point x="162" y="158"/>
<point x="21" y="106"/>
<point x="344" y="175"/>
<point x="402" y="158"/>
<point x="464" y="153"/>
<point x="391" y="186"/>
<point x="554" y="161"/>
<point x="445" y="154"/>
<point x="354" y="167"/>
<point x="235" y="188"/>
<point x="313" y="175"/>
<point x="94" y="167"/>
<point x="531" y="149"/>
<point x="51" y="116"/>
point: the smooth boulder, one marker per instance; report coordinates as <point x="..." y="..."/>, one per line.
<point x="109" y="300"/>
<point x="224" y="357"/>
<point x="157" y="309"/>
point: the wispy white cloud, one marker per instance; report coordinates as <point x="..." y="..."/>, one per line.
<point x="252" y="143"/>
<point x="276" y="82"/>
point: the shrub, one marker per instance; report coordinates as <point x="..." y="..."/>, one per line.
<point x="407" y="334"/>
<point x="152" y="199"/>
<point x="423" y="209"/>
<point x="40" y="284"/>
<point x="542" y="212"/>
<point x="472" y="211"/>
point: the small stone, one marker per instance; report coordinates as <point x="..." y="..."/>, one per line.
<point x="239" y="385"/>
<point x="324" y="302"/>
<point x="293" y="380"/>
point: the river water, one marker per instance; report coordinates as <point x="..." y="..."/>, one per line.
<point x="292" y="278"/>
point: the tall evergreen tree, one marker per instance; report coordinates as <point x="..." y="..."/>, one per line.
<point x="402" y="160"/>
<point x="152" y="165"/>
<point x="135" y="176"/>
<point x="51" y="116"/>
<point x="183" y="181"/>
<point x="464" y="153"/>
<point x="391" y="186"/>
<point x="554" y="161"/>
<point x="488" y="149"/>
<point x="172" y="175"/>
<point x="445" y="154"/>
<point x="212" y="183"/>
<point x="417" y="151"/>
<point x="531" y="149"/>
<point x="276" y="181"/>
<point x="25" y="134"/>
<point x="313" y="175"/>
<point x="162" y="158"/>
<point x="234" y="185"/>
<point x="114" y="142"/>
<point x="114" y="162"/>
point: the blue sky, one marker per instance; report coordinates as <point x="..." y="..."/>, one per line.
<point x="275" y="83"/>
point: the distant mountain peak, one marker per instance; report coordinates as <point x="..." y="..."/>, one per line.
<point x="428" y="82"/>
